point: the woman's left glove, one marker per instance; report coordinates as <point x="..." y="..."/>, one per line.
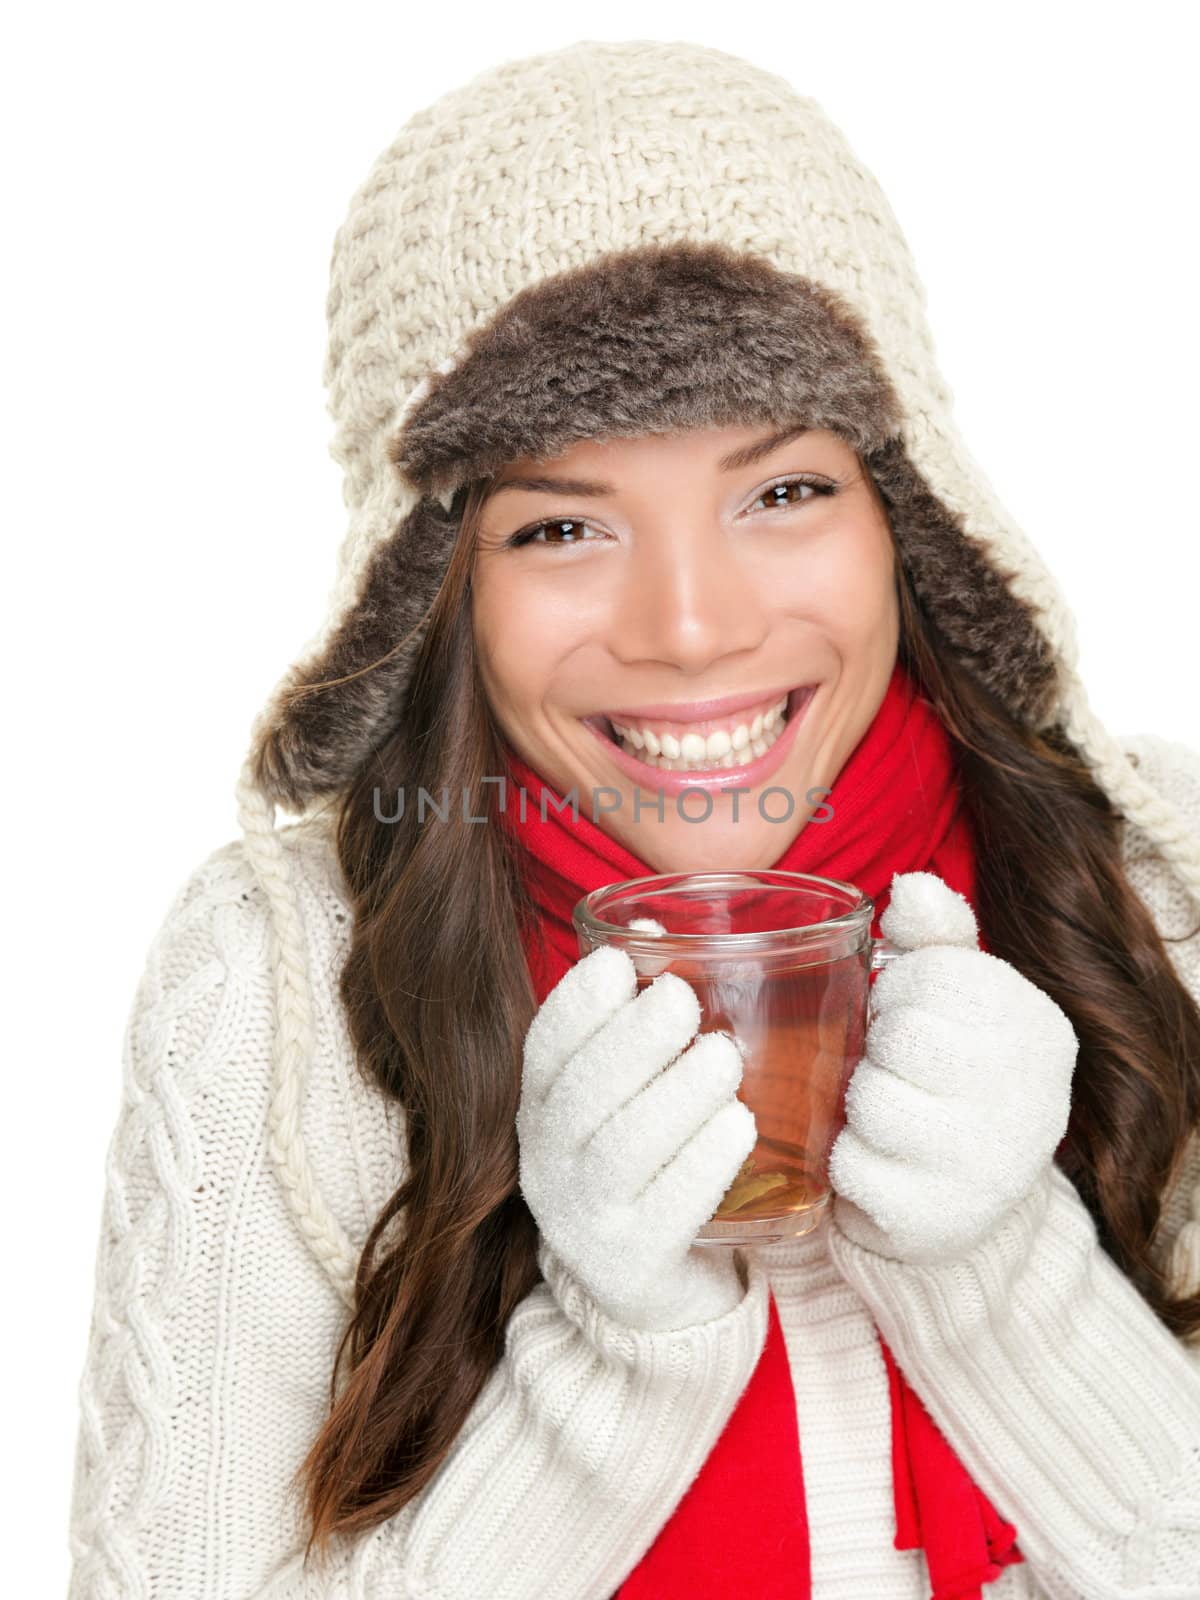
<point x="963" y="1092"/>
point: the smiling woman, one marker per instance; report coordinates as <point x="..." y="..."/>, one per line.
<point x="773" y="627"/>
<point x="654" y="489"/>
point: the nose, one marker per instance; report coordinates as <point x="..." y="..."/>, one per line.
<point x="686" y="602"/>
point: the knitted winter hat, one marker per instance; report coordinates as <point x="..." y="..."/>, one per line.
<point x="613" y="239"/>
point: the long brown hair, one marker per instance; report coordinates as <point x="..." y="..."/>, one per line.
<point x="438" y="999"/>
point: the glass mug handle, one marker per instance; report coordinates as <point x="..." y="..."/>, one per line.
<point x="882" y="951"/>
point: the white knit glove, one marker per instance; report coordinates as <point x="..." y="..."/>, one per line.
<point x="963" y="1093"/>
<point x="627" y="1145"/>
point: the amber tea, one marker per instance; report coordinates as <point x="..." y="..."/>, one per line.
<point x="803" y="1027"/>
<point x="781" y="960"/>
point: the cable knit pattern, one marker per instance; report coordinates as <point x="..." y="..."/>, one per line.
<point x="215" y="1327"/>
<point x="203" y="1386"/>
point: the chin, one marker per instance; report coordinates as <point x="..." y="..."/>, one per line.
<point x="713" y="846"/>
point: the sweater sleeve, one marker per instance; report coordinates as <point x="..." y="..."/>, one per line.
<point x="214" y="1330"/>
<point x="1069" y="1402"/>
<point x="1064" y="1396"/>
<point x="575" y="1454"/>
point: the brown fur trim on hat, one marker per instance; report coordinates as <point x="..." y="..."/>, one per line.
<point x="991" y="629"/>
<point x="655" y="339"/>
<point x="342" y="704"/>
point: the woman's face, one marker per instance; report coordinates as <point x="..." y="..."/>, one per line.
<point x="620" y="587"/>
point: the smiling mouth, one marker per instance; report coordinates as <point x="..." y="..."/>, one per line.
<point x="712" y="746"/>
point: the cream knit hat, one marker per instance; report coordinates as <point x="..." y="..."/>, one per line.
<point x="612" y="239"/>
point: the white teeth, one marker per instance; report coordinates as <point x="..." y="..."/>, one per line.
<point x="696" y="752"/>
<point x="705" y="762"/>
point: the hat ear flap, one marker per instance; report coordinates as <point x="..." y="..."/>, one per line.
<point x="966" y="594"/>
<point x="344" y="698"/>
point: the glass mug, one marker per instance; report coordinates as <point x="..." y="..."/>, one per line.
<point x="783" y="960"/>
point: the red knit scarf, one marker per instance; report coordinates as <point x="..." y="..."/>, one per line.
<point x="741" y="1527"/>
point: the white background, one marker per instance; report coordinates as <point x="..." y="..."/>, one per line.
<point x="174" y="179"/>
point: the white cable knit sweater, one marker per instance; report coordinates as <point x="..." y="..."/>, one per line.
<point x="214" y="1331"/>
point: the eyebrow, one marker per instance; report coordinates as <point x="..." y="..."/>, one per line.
<point x="745" y="456"/>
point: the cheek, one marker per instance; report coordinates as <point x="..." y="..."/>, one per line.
<point x="494" y="655"/>
<point x="519" y="639"/>
<point x="842" y="581"/>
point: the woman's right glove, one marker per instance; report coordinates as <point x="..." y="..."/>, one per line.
<point x="627" y="1145"/>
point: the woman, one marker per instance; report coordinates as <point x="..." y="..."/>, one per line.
<point x="638" y="411"/>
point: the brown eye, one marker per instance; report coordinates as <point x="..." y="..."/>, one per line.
<point x="779" y="494"/>
<point x="560" y="531"/>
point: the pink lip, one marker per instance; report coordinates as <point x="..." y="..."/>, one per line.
<point x="749" y="775"/>
<point x="698" y="710"/>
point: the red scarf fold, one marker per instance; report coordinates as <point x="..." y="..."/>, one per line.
<point x="741" y="1527"/>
